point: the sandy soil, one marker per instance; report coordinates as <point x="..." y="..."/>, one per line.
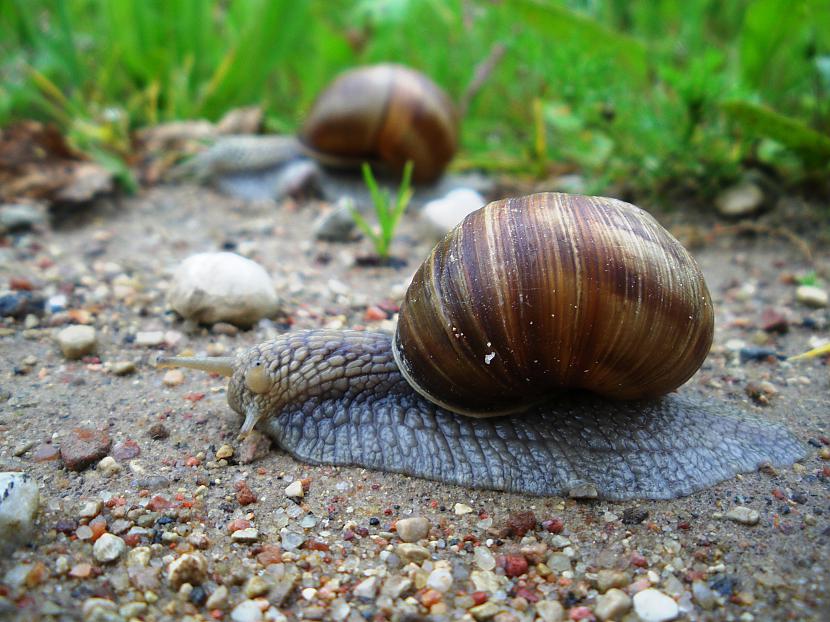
<point x="113" y="263"/>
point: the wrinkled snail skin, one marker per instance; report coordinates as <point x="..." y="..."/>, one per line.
<point x="385" y="114"/>
<point x="337" y="398"/>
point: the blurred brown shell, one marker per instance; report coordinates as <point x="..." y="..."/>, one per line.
<point x="533" y="295"/>
<point x="387" y="113"/>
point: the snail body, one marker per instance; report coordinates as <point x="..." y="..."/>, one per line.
<point x="383" y="113"/>
<point x="367" y="399"/>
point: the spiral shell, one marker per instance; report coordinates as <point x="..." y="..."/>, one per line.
<point x="386" y="113"/>
<point x="533" y="295"/>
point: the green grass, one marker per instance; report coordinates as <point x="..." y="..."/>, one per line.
<point x="387" y="211"/>
<point x="654" y="95"/>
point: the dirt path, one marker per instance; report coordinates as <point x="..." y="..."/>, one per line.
<point x="113" y="266"/>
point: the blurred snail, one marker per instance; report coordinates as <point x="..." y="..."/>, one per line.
<point x="561" y="323"/>
<point x="383" y="113"/>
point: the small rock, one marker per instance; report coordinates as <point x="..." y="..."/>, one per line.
<point x="83" y="447"/>
<point x="173" y="378"/>
<point x="158" y="431"/>
<point x="126" y="450"/>
<point x="606" y="579"/>
<point x="413" y="529"/>
<point x="487" y="581"/>
<point x="294" y="489"/>
<point x="550" y="611"/>
<point x="612" y="605"/>
<point x="366" y="588"/>
<point x="45" y="452"/>
<point x="19" y="217"/>
<point x="654" y="606"/>
<point x="484" y="611"/>
<point x="247" y="611"/>
<point x="19" y="500"/>
<point x="123" y="368"/>
<point x="441" y="215"/>
<point x="256" y="586"/>
<point x="395" y="586"/>
<point x="743" y="515"/>
<point x="811" y="296"/>
<point x="188" y="568"/>
<point x="461" y="509"/>
<point x="149" y="338"/>
<point x="222" y="287"/>
<point x="245" y="535"/>
<point x="108" y="548"/>
<point x="774" y="321"/>
<point x="703" y="595"/>
<point x="224" y="452"/>
<point x="515" y="565"/>
<point x="634" y="515"/>
<point x="483" y="558"/>
<point x="440" y="579"/>
<point x="519" y="523"/>
<point x="76" y="341"/>
<point x="743" y="199"/>
<point x="412" y="552"/>
<point x="337" y="225"/>
<point x="558" y="562"/>
<point x="108" y="466"/>
<point x="218" y="599"/>
<point x="290" y="540"/>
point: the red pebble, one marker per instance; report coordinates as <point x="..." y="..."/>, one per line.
<point x="528" y="594"/>
<point x="684" y="524"/>
<point x="126" y="450"/>
<point x="158" y="503"/>
<point x="98" y="526"/>
<point x="237" y="524"/>
<point x="479" y="597"/>
<point x="132" y="539"/>
<point x="244" y="495"/>
<point x="778" y="494"/>
<point x="554" y="525"/>
<point x="270" y="555"/>
<point x="430" y="598"/>
<point x="316" y="545"/>
<point x="374" y="314"/>
<point x="194" y="397"/>
<point x="638" y="560"/>
<point x="515" y="565"/>
<point x="581" y="613"/>
<point x="192" y="462"/>
<point x="20" y="283"/>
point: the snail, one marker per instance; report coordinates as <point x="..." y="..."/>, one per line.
<point x="387" y="113"/>
<point x="536" y="352"/>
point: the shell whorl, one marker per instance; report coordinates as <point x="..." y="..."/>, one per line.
<point x="537" y="294"/>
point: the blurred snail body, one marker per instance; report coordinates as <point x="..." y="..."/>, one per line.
<point x="538" y="315"/>
<point x="383" y="113"/>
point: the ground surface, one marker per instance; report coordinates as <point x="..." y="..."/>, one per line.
<point x="113" y="264"/>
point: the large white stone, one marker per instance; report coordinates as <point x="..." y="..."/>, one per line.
<point x="222" y="287"/>
<point x="654" y="606"/>
<point x="19" y="499"/>
<point x="441" y="215"/>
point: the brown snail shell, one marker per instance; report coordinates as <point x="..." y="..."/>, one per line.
<point x="387" y="113"/>
<point x="533" y="295"/>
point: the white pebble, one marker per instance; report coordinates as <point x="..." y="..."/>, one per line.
<point x="811" y="296"/>
<point x="19" y="499"/>
<point x="247" y="611"/>
<point x="461" y="509"/>
<point x="743" y="515"/>
<point x="108" y="548"/>
<point x="222" y="287"/>
<point x="108" y="466"/>
<point x="654" y="606"/>
<point x="294" y="489"/>
<point x="440" y="579"/>
<point x="441" y="215"/>
<point x="366" y="588"/>
<point x="76" y="341"/>
<point x="413" y="529"/>
<point x="484" y="559"/>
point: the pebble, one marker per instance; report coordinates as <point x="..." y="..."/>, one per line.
<point x="483" y="558"/>
<point x="218" y="599"/>
<point x="250" y="534"/>
<point x="395" y="586"/>
<point x="108" y="548"/>
<point x="413" y="529"/>
<point x="612" y="605"/>
<point x="256" y="586"/>
<point x="247" y="611"/>
<point x="224" y="452"/>
<point x="484" y="611"/>
<point x="366" y="588"/>
<point x="461" y="509"/>
<point x="441" y="215"/>
<point x="149" y="338"/>
<point x="412" y="552"/>
<point x="606" y="579"/>
<point x="123" y="368"/>
<point x="76" y="341"/>
<point x="19" y="500"/>
<point x="743" y="515"/>
<point x="743" y="199"/>
<point x="550" y="611"/>
<point x="811" y="296"/>
<point x="294" y="489"/>
<point x="654" y="606"/>
<point x="84" y="446"/>
<point x="173" y="378"/>
<point x="703" y="595"/>
<point x="440" y="579"/>
<point x="337" y="225"/>
<point x="108" y="466"/>
<point x="222" y="287"/>
<point x="19" y="217"/>
<point x="188" y="568"/>
<point x="126" y="450"/>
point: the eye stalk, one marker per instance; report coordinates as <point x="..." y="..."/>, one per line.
<point x="257" y="380"/>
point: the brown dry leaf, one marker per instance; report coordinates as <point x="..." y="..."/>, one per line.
<point x="37" y="163"/>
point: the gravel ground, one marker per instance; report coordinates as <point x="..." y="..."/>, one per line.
<point x="198" y="534"/>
